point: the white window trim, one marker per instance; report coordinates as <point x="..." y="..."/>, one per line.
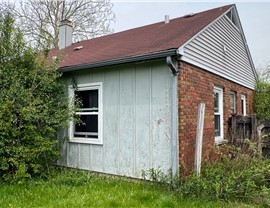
<point x="82" y="87"/>
<point x="244" y="110"/>
<point x="220" y="139"/>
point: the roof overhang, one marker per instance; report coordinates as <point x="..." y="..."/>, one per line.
<point x="145" y="57"/>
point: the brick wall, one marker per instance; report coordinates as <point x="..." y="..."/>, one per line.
<point x="195" y="86"/>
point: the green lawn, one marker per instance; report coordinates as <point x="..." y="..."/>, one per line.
<point x="83" y="189"/>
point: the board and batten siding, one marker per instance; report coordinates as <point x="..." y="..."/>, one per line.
<point x="136" y="120"/>
<point x="221" y="49"/>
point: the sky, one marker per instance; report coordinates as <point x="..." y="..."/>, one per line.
<point x="254" y="17"/>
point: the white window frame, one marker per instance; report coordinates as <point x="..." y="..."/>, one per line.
<point x="219" y="91"/>
<point x="83" y="87"/>
<point x="244" y="105"/>
<point x="234" y="100"/>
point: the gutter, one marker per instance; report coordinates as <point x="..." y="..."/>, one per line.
<point x="161" y="54"/>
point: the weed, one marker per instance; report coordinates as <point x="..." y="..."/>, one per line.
<point x="237" y="174"/>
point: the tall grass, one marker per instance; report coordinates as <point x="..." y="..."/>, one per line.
<point x="237" y="174"/>
<point x="70" y="188"/>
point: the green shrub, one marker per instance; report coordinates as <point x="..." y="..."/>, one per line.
<point x="33" y="107"/>
<point x="262" y="95"/>
<point x="236" y="176"/>
<point x="262" y="100"/>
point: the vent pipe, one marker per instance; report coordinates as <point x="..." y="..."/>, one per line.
<point x="65" y="34"/>
<point x="167" y="19"/>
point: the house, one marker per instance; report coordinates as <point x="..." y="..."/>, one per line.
<point x="140" y="90"/>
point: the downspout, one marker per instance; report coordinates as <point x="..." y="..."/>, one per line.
<point x="171" y="65"/>
<point x="174" y="116"/>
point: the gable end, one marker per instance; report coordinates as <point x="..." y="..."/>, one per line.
<point x="221" y="49"/>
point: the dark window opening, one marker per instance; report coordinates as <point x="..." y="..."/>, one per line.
<point x="88" y="99"/>
<point x="217" y="125"/>
<point x="87" y="127"/>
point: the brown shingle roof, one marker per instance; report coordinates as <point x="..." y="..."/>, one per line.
<point x="139" y="41"/>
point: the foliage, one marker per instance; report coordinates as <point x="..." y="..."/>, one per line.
<point x="73" y="188"/>
<point x="262" y="95"/>
<point x="235" y="176"/>
<point x="39" y="19"/>
<point x="33" y="107"/>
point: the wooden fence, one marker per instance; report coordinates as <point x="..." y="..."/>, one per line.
<point x="244" y="127"/>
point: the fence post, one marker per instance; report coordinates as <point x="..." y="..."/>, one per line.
<point x="253" y="128"/>
<point x="199" y="138"/>
<point x="259" y="132"/>
<point x="234" y="127"/>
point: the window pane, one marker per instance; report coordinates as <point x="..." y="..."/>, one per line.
<point x="88" y="99"/>
<point x="216" y="102"/>
<point x="232" y="103"/>
<point x="217" y="125"/>
<point x="242" y="106"/>
<point x="88" y="127"/>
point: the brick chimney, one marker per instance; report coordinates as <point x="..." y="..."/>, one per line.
<point x="65" y="34"/>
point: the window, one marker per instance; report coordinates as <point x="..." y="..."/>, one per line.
<point x="218" y="112"/>
<point x="89" y="129"/>
<point x="243" y="105"/>
<point x="233" y="102"/>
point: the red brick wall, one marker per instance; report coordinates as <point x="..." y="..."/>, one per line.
<point x="195" y="86"/>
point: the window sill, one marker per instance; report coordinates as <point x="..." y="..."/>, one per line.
<point x="86" y="141"/>
<point x="221" y="142"/>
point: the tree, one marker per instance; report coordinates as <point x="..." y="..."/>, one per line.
<point x="262" y="94"/>
<point x="39" y="19"/>
<point x="33" y="107"/>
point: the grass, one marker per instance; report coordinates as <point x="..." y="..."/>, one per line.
<point x="70" y="188"/>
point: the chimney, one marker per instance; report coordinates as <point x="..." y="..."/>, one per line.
<point x="65" y="34"/>
<point x="167" y="19"/>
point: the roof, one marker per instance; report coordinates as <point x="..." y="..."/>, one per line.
<point x="141" y="41"/>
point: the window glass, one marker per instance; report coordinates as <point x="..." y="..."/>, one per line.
<point x="243" y="105"/>
<point x="88" y="99"/>
<point x="216" y="102"/>
<point x="88" y="126"/>
<point x="218" y="113"/>
<point x="232" y="102"/>
<point x="217" y="125"/>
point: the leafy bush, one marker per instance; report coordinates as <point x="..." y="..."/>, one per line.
<point x="262" y="95"/>
<point x="236" y="176"/>
<point x="33" y="107"/>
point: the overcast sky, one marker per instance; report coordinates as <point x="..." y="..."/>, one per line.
<point x="254" y="16"/>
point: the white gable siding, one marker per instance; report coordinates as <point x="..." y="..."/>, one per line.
<point x="136" y="120"/>
<point x="221" y="50"/>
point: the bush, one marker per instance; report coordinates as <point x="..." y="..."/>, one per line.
<point x="262" y="100"/>
<point x="236" y="176"/>
<point x="262" y="95"/>
<point x="33" y="107"/>
<point x="242" y="177"/>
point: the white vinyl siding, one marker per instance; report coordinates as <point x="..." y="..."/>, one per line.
<point x="221" y="49"/>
